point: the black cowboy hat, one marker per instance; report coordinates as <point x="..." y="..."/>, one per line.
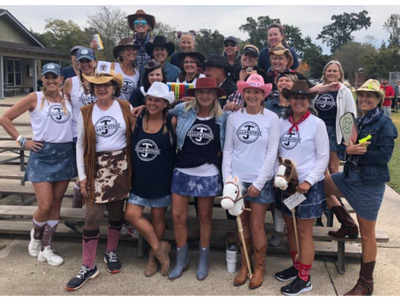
<point x="300" y="87"/>
<point x="141" y="14"/>
<point x="160" y="41"/>
<point x="182" y="55"/>
<point x="218" y="60"/>
<point x="124" y="43"/>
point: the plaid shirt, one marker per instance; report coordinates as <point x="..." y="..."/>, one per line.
<point x="236" y="98"/>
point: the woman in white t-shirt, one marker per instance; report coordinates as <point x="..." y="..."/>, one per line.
<point x="250" y="151"/>
<point x="305" y="141"/>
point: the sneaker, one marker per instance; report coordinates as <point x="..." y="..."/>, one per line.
<point x="112" y="261"/>
<point x="51" y="258"/>
<point x="274" y="241"/>
<point x="34" y="245"/>
<point x="286" y="275"/>
<point x="297" y="287"/>
<point x="84" y="275"/>
<point x="75" y="226"/>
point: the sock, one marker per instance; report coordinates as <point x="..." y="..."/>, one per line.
<point x="90" y="240"/>
<point x="114" y="232"/>
<point x="77" y="187"/>
<point x="48" y="232"/>
<point x="304" y="271"/>
<point x="38" y="228"/>
<point x="294" y="259"/>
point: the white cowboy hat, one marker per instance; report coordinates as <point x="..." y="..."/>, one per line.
<point x="160" y="90"/>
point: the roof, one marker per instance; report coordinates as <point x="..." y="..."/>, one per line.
<point x="23" y="48"/>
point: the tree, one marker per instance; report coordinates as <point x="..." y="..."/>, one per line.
<point x="167" y="31"/>
<point x="392" y="26"/>
<point x="380" y="63"/>
<point x="315" y="59"/>
<point x="208" y="42"/>
<point x="339" y="32"/>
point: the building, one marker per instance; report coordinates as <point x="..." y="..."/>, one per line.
<point x="22" y="57"/>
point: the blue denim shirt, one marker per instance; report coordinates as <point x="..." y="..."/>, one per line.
<point x="373" y="165"/>
<point x="171" y="72"/>
<point x="186" y="120"/>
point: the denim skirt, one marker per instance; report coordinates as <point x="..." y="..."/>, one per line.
<point x="157" y="202"/>
<point x="196" y="186"/>
<point x="313" y="207"/>
<point x="366" y="199"/>
<point x="333" y="146"/>
<point x="54" y="162"/>
<point x="267" y="195"/>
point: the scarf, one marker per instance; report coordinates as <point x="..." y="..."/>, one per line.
<point x="295" y="124"/>
<point x="372" y="116"/>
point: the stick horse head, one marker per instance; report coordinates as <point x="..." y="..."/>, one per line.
<point x="287" y="179"/>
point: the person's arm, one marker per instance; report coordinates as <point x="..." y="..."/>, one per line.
<point x="228" y="149"/>
<point x="80" y="151"/>
<point x="68" y="88"/>
<point x="174" y="122"/>
<point x="267" y="170"/>
<point x="324" y="88"/>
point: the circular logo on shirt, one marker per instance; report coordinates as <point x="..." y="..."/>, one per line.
<point x="106" y="126"/>
<point x="147" y="150"/>
<point x="289" y="140"/>
<point x="57" y="114"/>
<point x="128" y="86"/>
<point x="87" y="99"/>
<point x="248" y="132"/>
<point x="200" y="134"/>
<point x="325" y="102"/>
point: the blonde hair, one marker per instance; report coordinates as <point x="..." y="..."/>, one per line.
<point x="46" y="98"/>
<point x="336" y="62"/>
<point x="215" y="112"/>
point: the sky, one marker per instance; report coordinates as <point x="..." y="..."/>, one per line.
<point x="226" y="19"/>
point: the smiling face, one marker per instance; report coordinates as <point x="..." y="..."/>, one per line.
<point x="367" y="101"/>
<point x="104" y="91"/>
<point x="274" y="37"/>
<point x="205" y="98"/>
<point x="160" y="54"/>
<point x="189" y="65"/>
<point x="140" y="28"/>
<point x="249" y="60"/>
<point x="214" y="72"/>
<point x="155" y="106"/>
<point x="230" y="48"/>
<point x="299" y="104"/>
<point x="278" y="62"/>
<point x="186" y="43"/>
<point x="253" y="97"/>
<point x="284" y="82"/>
<point x="87" y="66"/>
<point x="128" y="54"/>
<point x="52" y="82"/>
<point x="155" y="75"/>
<point x="332" y="73"/>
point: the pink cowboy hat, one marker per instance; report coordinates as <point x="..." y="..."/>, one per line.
<point x="254" y="81"/>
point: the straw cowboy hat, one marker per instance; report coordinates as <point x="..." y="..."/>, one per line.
<point x="182" y="55"/>
<point x="160" y="41"/>
<point x="124" y="43"/>
<point x="160" y="90"/>
<point x="141" y="14"/>
<point x="254" y="81"/>
<point x="218" y="60"/>
<point x="372" y="85"/>
<point x="206" y="83"/>
<point x="104" y="74"/>
<point x="281" y="50"/>
<point x="300" y="87"/>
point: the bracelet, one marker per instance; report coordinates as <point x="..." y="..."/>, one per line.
<point x="18" y="138"/>
<point x="22" y="142"/>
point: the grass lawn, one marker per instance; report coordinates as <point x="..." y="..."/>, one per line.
<point x="394" y="165"/>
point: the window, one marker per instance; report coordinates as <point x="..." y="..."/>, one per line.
<point x="13" y="72"/>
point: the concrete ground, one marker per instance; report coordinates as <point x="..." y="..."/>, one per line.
<point x="21" y="274"/>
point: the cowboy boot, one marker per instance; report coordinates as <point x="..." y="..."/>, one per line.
<point x="162" y="255"/>
<point x="202" y="268"/>
<point x="182" y="262"/>
<point x="259" y="267"/>
<point x="244" y="271"/>
<point x="152" y="265"/>
<point x="365" y="283"/>
<point x="348" y="226"/>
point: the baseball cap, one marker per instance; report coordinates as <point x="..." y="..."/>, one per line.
<point x="85" y="53"/>
<point x="51" y="68"/>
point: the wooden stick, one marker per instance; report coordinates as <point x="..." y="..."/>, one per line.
<point x="295" y="232"/>
<point x="240" y="227"/>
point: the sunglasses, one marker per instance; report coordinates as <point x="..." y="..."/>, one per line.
<point x="229" y="44"/>
<point x="142" y="22"/>
<point x="104" y="85"/>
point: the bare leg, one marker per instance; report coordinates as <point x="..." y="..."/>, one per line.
<point x="205" y="206"/>
<point x="44" y="196"/>
<point x="257" y="224"/>
<point x="179" y="216"/>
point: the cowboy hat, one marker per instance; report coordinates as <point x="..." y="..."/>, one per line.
<point x="206" y="83"/>
<point x="160" y="41"/>
<point x="300" y="87"/>
<point x="160" y="90"/>
<point x="254" y="81"/>
<point x="281" y="50"/>
<point x="104" y="74"/>
<point x="141" y="14"/>
<point x="219" y="61"/>
<point x="182" y="55"/>
<point x="124" y="43"/>
<point x="372" y="85"/>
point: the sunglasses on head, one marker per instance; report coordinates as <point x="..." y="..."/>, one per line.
<point x="232" y="44"/>
<point x="142" y="22"/>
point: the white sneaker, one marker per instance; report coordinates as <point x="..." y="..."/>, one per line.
<point x="34" y="245"/>
<point x="51" y="258"/>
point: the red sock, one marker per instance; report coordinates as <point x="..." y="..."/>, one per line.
<point x="89" y="247"/>
<point x="295" y="260"/>
<point x="304" y="271"/>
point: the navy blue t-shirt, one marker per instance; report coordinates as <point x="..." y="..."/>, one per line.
<point x="326" y="105"/>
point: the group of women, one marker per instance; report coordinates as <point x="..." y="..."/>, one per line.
<point x="161" y="154"/>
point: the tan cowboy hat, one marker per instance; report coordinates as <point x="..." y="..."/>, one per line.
<point x="104" y="74"/>
<point x="141" y="14"/>
<point x="281" y="50"/>
<point x="372" y="85"/>
<point x="300" y="87"/>
<point x="124" y="43"/>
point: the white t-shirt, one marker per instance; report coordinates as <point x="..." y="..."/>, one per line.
<point x="251" y="146"/>
<point x="193" y="82"/>
<point x="78" y="100"/>
<point x="130" y="82"/>
<point x="308" y="148"/>
<point x="51" y="123"/>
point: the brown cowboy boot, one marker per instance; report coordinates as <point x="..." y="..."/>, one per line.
<point x="243" y="272"/>
<point x="348" y="226"/>
<point x="365" y="283"/>
<point x="152" y="265"/>
<point x="162" y="255"/>
<point x="259" y="267"/>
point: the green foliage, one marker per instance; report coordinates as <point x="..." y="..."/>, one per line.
<point x="208" y="42"/>
<point x="392" y="26"/>
<point x="378" y="64"/>
<point x="315" y="59"/>
<point x="339" y="32"/>
<point x="168" y="32"/>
